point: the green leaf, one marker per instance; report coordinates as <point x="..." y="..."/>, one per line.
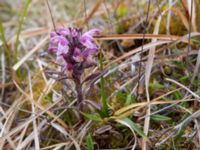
<point x="3" y="42"/>
<point x="160" y="118"/>
<point x="156" y="86"/>
<point x="177" y="136"/>
<point x="129" y="100"/>
<point x="21" y="21"/>
<point x="90" y="144"/>
<point x="122" y="10"/>
<point x="133" y="127"/>
<point x="195" y="42"/>
<point x="92" y="117"/>
<point x="179" y="65"/>
<point x="179" y="133"/>
<point x="184" y="78"/>
<point x="177" y="95"/>
<point x="105" y="109"/>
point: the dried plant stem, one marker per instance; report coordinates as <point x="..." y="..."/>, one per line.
<point x="51" y="15"/>
<point x="142" y="48"/>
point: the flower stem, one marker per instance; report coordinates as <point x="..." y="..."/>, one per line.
<point x="79" y="95"/>
<point x="79" y="92"/>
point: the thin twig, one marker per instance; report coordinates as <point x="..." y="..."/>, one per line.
<point x="51" y="15"/>
<point x="189" y="32"/>
<point x="144" y="32"/>
<point x="85" y="13"/>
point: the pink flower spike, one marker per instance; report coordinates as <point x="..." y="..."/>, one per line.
<point x="75" y="48"/>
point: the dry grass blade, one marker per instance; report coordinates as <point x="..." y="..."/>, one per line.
<point x="83" y="131"/>
<point x="129" y="126"/>
<point x="35" y="128"/>
<point x="184" y="39"/>
<point x="124" y="109"/>
<point x="46" y="90"/>
<point x="3" y="68"/>
<point x="184" y="87"/>
<point x="50" y="14"/>
<point x="30" y="137"/>
<point x="41" y="65"/>
<point x="192" y="14"/>
<point x="186" y="121"/>
<point x="182" y="16"/>
<point x="10" y="116"/>
<point x="137" y="50"/>
<point x="27" y="56"/>
<point x="169" y="15"/>
<point x="60" y="145"/>
<point x="94" y="9"/>
<point x="22" y="135"/>
<point x="33" y="32"/>
<point x="138" y="36"/>
<point x="148" y="68"/>
<point x="42" y="107"/>
<point x="18" y="128"/>
<point x="63" y="131"/>
<point x="196" y="69"/>
<point x="143" y="104"/>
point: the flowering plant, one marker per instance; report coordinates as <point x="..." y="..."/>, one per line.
<point x="77" y="50"/>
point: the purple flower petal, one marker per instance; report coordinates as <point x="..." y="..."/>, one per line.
<point x="87" y="38"/>
<point x="88" y="42"/>
<point x="77" y="51"/>
<point x="89" y="52"/>
<point x="74" y="32"/>
<point x="93" y="51"/>
<point x="57" y="39"/>
<point x="77" y="56"/>
<point x="71" y="46"/>
<point x="52" y="34"/>
<point x="52" y="49"/>
<point x="64" y="31"/>
<point x="69" y="66"/>
<point x="62" y="48"/>
<point x="92" y="32"/>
